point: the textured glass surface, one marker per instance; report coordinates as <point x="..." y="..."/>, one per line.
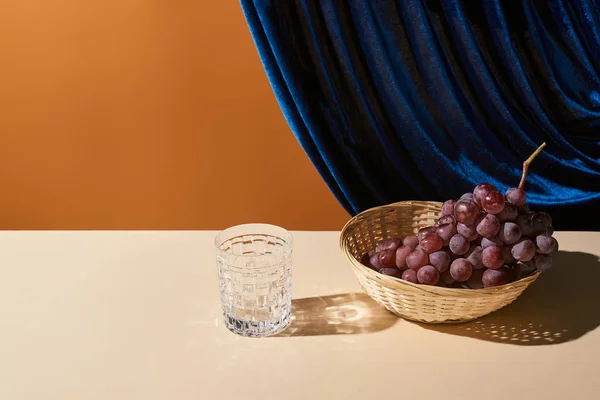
<point x="254" y="263"/>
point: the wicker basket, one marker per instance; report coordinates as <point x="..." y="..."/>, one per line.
<point x="430" y="304"/>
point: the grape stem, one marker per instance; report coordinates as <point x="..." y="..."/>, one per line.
<point x="527" y="162"/>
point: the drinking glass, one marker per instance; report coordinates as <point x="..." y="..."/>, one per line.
<point x="254" y="263"/>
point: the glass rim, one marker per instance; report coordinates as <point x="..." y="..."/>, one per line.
<point x="222" y="236"/>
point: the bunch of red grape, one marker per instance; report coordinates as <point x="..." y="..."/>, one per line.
<point x="483" y="239"/>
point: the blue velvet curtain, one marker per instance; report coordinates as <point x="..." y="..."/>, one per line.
<point x="420" y="99"/>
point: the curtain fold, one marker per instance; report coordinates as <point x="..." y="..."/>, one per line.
<point x="424" y="99"/>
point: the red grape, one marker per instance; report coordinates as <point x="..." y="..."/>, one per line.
<point x="401" y="255"/>
<point x="447" y="208"/>
<point x="523" y="210"/>
<point x="527" y="266"/>
<point x="525" y="224"/>
<point x="447" y="278"/>
<point x="466" y="211"/>
<point x="446" y="232"/>
<point x="516" y="196"/>
<point x="475" y="258"/>
<point x="475" y="281"/>
<point x="467" y="196"/>
<point x="365" y="260"/>
<point x="545" y="244"/>
<point x="488" y="226"/>
<point x="391" y="272"/>
<point x="387" y="258"/>
<point x="555" y="245"/>
<point x="491" y="241"/>
<point x="472" y="248"/>
<point x="410" y="276"/>
<point x="519" y="274"/>
<point x="428" y="275"/>
<point x="375" y="263"/>
<point x="524" y="250"/>
<point x="467" y="231"/>
<point x="549" y="231"/>
<point x="543" y="262"/>
<point x="492" y="257"/>
<point x="493" y="202"/>
<point x="391" y="244"/>
<point x="509" y="233"/>
<point x="431" y="242"/>
<point x="481" y="191"/>
<point x="507" y="254"/>
<point x="481" y="216"/>
<point x="446" y="219"/>
<point x="440" y="260"/>
<point x="461" y="270"/>
<point x="510" y="213"/>
<point x="537" y="227"/>
<point x="417" y="259"/>
<point x="459" y="245"/>
<point x="495" y="277"/>
<point x="541" y="223"/>
<point x="411" y="241"/>
<point x="424" y="231"/>
<point x="544" y="218"/>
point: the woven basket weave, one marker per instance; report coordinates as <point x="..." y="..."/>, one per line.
<point x="430" y="304"/>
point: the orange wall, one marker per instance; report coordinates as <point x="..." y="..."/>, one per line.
<point x="145" y="114"/>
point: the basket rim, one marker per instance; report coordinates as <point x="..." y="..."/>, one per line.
<point x="399" y="283"/>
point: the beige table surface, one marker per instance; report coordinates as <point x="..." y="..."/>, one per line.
<point x="135" y="315"/>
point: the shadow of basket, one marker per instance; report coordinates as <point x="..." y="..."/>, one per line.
<point x="562" y="305"/>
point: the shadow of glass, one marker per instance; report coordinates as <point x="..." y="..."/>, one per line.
<point x="562" y="305"/>
<point x="340" y="314"/>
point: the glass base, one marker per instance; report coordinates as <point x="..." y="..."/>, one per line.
<point x="255" y="329"/>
